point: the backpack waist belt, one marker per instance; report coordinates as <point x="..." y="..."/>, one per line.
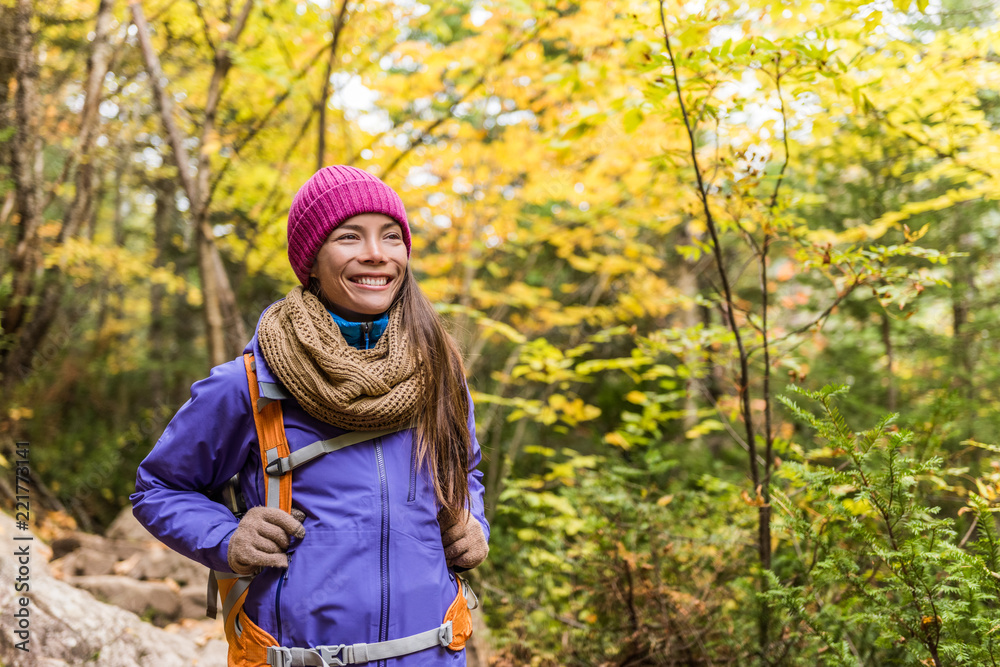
<point x="358" y="654"/>
<point x="451" y="634"/>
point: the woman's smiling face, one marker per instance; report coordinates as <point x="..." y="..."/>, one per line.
<point x="361" y="265"/>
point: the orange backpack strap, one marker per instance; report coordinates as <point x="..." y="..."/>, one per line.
<point x="273" y="444"/>
<point x="271" y="436"/>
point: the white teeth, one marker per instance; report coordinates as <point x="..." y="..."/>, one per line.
<point x="372" y="282"/>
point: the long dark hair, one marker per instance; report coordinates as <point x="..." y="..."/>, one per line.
<point x="444" y="443"/>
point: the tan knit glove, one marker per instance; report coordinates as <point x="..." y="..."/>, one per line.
<point x="464" y="543"/>
<point x="261" y="538"/>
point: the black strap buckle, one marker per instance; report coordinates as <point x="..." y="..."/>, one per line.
<point x="278" y="467"/>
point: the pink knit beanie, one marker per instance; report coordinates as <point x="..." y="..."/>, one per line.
<point x="330" y="197"/>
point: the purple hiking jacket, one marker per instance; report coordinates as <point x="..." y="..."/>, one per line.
<point x="371" y="566"/>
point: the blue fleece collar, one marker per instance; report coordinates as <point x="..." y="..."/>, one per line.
<point x="355" y="332"/>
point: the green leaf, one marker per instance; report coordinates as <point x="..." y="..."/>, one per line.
<point x="632" y="120"/>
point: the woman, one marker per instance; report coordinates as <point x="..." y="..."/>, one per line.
<point x="358" y="550"/>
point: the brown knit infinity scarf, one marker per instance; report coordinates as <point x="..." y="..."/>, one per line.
<point x="358" y="390"/>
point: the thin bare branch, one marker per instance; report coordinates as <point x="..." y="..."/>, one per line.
<point x="163" y="10"/>
<point x="722" y="416"/>
<point x="97" y="66"/>
<point x="822" y="316"/>
<point x="968" y="533"/>
<point x="223" y="62"/>
<point x="163" y="100"/>
<point x="273" y="193"/>
<point x="764" y="523"/>
<point x="751" y="241"/>
<point x="429" y="130"/>
<point x="204" y="25"/>
<point x="784" y="135"/>
<point x="262" y="121"/>
<point x="765" y="295"/>
<point x="73" y="157"/>
<point x="337" y="28"/>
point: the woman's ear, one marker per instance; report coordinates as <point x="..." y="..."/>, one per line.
<point x="313" y="286"/>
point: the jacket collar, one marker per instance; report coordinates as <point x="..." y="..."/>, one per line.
<point x="357" y="334"/>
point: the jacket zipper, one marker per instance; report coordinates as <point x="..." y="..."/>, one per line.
<point x="413" y="470"/>
<point x="383" y="627"/>
<point x="277" y="599"/>
<point x="367" y="328"/>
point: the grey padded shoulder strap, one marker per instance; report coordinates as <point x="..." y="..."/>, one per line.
<point x="241" y="585"/>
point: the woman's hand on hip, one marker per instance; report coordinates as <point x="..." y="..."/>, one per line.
<point x="464" y="542"/>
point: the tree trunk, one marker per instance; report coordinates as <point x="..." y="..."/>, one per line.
<point x="225" y="331"/>
<point x="687" y="284"/>
<point x="890" y="366"/>
<point x="97" y="69"/>
<point x="26" y="255"/>
<point x="165" y="208"/>
<point x="214" y="322"/>
<point x="46" y="287"/>
<point x="962" y="304"/>
<point x="478" y="650"/>
<point x="8" y="69"/>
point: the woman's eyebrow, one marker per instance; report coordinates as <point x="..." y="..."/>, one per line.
<point x="356" y="227"/>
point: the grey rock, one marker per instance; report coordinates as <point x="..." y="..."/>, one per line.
<point x="159" y="562"/>
<point x="87" y="561"/>
<point x="127" y="527"/>
<point x="157" y="600"/>
<point x="64" y="545"/>
<point x="193" y="600"/>
<point x="69" y="627"/>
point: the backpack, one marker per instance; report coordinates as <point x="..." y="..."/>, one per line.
<point x="251" y="646"/>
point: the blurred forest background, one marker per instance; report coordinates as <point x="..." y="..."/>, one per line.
<point x="698" y="255"/>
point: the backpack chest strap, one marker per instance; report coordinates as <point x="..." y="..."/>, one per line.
<point x="278" y="466"/>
